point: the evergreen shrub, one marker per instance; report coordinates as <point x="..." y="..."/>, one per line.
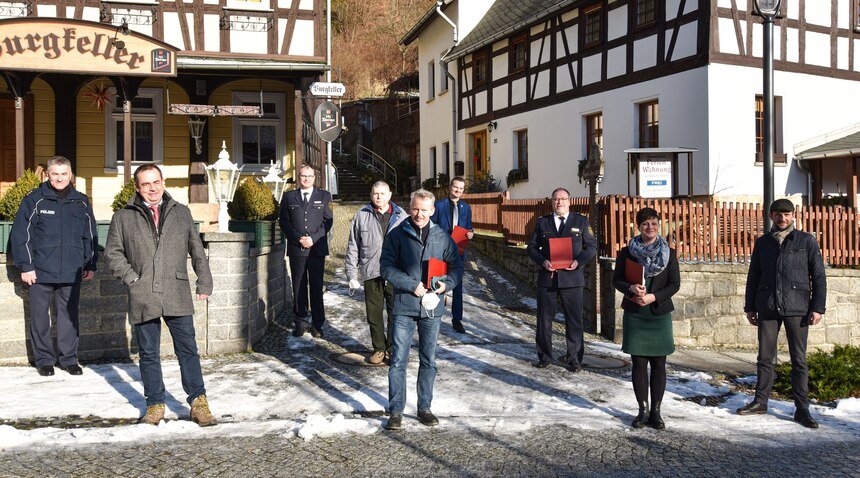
<point x="12" y="199"/>
<point x="832" y="375"/>
<point x="123" y="196"/>
<point x="253" y="201"/>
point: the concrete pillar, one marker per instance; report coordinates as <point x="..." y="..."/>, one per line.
<point x="227" y="328"/>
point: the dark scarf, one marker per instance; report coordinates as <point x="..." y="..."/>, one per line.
<point x="654" y="257"/>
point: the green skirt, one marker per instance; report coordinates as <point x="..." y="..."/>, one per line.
<point x="647" y="334"/>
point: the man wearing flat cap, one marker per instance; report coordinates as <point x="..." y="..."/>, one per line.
<point x="785" y="286"/>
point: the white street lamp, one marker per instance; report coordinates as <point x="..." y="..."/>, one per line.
<point x="768" y="10"/>
<point x="274" y="181"/>
<point x="224" y="178"/>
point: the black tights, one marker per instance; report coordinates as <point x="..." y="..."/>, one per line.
<point x="640" y="378"/>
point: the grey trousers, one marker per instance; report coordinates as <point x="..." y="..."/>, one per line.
<point x="796" y="331"/>
<point x="66" y="297"/>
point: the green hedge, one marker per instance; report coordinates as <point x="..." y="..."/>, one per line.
<point x="832" y="375"/>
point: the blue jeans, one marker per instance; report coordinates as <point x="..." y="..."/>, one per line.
<point x="428" y="332"/>
<point x="185" y="347"/>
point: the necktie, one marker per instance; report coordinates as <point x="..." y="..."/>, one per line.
<point x="560" y="225"/>
<point x="305" y="200"/>
<point x="455" y="215"/>
<point x="154" y="209"/>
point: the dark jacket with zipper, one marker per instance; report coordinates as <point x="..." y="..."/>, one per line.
<point x="664" y="285"/>
<point x="55" y="236"/>
<point x="787" y="279"/>
<point x="403" y="261"/>
<point x="153" y="263"/>
<point x="583" y="250"/>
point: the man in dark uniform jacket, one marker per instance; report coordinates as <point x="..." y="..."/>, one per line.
<point x="561" y="283"/>
<point x="306" y="217"/>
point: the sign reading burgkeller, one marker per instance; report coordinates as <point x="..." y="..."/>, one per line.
<point x="78" y="46"/>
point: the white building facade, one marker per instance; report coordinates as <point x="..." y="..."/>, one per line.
<point x="538" y="81"/>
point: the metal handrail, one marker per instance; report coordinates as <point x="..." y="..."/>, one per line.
<point x="373" y="161"/>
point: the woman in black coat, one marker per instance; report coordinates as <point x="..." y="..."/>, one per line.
<point x="648" y="307"/>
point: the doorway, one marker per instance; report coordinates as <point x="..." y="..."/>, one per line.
<point x="478" y="152"/>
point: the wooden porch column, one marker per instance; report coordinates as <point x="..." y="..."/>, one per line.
<point x="852" y="182"/>
<point x="20" y="149"/>
<point x="126" y="137"/>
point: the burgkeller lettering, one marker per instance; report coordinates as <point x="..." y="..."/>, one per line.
<point x="98" y="45"/>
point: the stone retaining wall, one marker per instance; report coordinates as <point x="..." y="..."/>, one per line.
<point x="251" y="290"/>
<point x="708" y="308"/>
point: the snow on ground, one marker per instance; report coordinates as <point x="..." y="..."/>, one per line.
<point x="484" y="382"/>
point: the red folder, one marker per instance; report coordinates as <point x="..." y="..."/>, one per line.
<point x="634" y="273"/>
<point x="459" y="234"/>
<point x="435" y="268"/>
<point x="561" y="252"/>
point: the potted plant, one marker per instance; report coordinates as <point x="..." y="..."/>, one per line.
<point x="254" y="209"/>
<point x="517" y="175"/>
<point x="10" y="203"/>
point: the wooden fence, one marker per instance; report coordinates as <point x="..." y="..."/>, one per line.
<point x="700" y="231"/>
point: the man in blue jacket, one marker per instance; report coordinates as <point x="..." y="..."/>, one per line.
<point x="450" y="212"/>
<point x="55" y="244"/>
<point x="561" y="283"/>
<point x="786" y="285"/>
<point x="404" y="261"/>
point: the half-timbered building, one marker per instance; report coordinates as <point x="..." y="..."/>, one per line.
<point x="113" y="84"/>
<point x="539" y="85"/>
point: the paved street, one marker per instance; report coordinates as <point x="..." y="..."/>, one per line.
<point x="491" y="423"/>
<point x="544" y="451"/>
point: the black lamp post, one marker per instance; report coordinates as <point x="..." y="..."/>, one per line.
<point x="768" y="10"/>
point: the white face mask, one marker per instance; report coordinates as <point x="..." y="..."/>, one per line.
<point x="429" y="301"/>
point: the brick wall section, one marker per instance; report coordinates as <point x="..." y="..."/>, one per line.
<point x="251" y="288"/>
<point x="709" y="306"/>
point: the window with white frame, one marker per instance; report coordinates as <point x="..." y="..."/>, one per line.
<point x="446" y="147"/>
<point x="146" y="129"/>
<point x="432" y="160"/>
<point x="443" y="77"/>
<point x="258" y="141"/>
<point x="431" y="80"/>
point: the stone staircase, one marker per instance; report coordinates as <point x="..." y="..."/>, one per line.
<point x="351" y="182"/>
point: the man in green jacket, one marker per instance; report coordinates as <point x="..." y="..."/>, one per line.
<point x="147" y="249"/>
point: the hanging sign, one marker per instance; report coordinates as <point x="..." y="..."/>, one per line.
<point x="655" y="177"/>
<point x="327" y="89"/>
<point x="79" y="46"/>
<point x="327" y="121"/>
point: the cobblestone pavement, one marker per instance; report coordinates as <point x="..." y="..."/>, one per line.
<point x="547" y="451"/>
<point x="452" y="449"/>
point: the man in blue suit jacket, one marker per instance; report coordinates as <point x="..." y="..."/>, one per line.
<point x="450" y="212"/>
<point x="561" y="283"/>
<point x="306" y="218"/>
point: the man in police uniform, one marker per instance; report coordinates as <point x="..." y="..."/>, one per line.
<point x="306" y="218"/>
<point x="562" y="283"/>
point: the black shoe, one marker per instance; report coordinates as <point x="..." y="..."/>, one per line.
<point x="752" y="408"/>
<point x="427" y="418"/>
<point x="566" y="363"/>
<point x="395" y="422"/>
<point x="458" y="326"/>
<point x="73" y="369"/>
<point x="46" y="370"/>
<point x="802" y="416"/>
<point x="316" y="333"/>
<point x="540" y="364"/>
<point x="655" y="421"/>
<point x="299" y="330"/>
<point x="641" y="420"/>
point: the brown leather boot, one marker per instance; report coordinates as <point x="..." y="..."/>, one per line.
<point x="200" y="413"/>
<point x="154" y="414"/>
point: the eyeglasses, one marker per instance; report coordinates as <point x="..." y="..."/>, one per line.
<point x="560" y="199"/>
